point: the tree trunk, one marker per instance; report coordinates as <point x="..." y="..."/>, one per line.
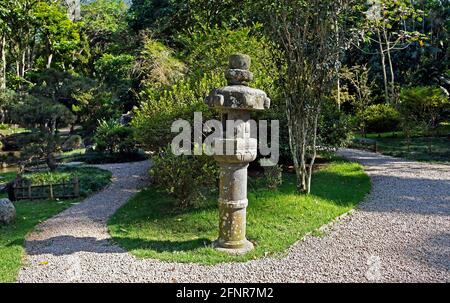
<point x="339" y="92"/>
<point x="383" y="65"/>
<point x="391" y="67"/>
<point x="3" y="62"/>
<point x="297" y="145"/>
<point x="338" y="59"/>
<point x="313" y="153"/>
<point x="51" y="161"/>
<point x="22" y="63"/>
<point x="49" y="60"/>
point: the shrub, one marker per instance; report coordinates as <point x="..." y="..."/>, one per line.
<point x="7" y="98"/>
<point x="48" y="115"/>
<point x="73" y="142"/>
<point x="273" y="176"/>
<point x="335" y="127"/>
<point x="206" y="56"/>
<point x="424" y="106"/>
<point x="381" y="118"/>
<point x="114" y="138"/>
<point x="161" y="107"/>
<point x="183" y="177"/>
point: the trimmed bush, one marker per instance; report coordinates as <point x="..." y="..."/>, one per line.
<point x="380" y="118"/>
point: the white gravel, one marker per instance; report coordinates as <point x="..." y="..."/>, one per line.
<point x="400" y="233"/>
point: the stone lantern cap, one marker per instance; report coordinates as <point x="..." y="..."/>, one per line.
<point x="238" y="95"/>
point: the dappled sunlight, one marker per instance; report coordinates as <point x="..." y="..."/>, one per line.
<point x="150" y="227"/>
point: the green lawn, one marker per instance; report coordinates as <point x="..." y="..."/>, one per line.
<point x="418" y="149"/>
<point x="396" y="145"/>
<point x="149" y="227"/>
<point x="31" y="213"/>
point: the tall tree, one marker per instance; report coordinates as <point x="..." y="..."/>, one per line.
<point x="307" y="34"/>
<point x="386" y="27"/>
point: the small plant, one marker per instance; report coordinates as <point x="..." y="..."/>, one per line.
<point x="273" y="176"/>
<point x="183" y="177"/>
<point x="114" y="138"/>
<point x="73" y="142"/>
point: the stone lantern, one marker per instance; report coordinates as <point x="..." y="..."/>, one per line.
<point x="235" y="150"/>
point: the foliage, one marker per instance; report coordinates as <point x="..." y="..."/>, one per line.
<point x="91" y="179"/>
<point x="61" y="36"/>
<point x="64" y="88"/>
<point x="424" y="105"/>
<point x="156" y="64"/>
<point x="73" y="142"/>
<point x="183" y="177"/>
<point x="335" y="127"/>
<point x="358" y="78"/>
<point x="115" y="72"/>
<point x="273" y="176"/>
<point x="206" y="56"/>
<point x="112" y="137"/>
<point x="276" y="219"/>
<point x="7" y="99"/>
<point x="385" y="27"/>
<point x="166" y="18"/>
<point x="30" y="111"/>
<point x="98" y="104"/>
<point x="206" y="51"/>
<point x="381" y="118"/>
<point x="104" y="23"/>
<point x="309" y="35"/>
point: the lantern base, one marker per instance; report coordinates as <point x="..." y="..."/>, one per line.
<point x="242" y="249"/>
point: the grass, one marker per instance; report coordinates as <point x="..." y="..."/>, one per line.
<point x="12" y="237"/>
<point x="8" y="129"/>
<point x="31" y="213"/>
<point x="91" y="179"/>
<point x="418" y="149"/>
<point x="149" y="227"/>
<point x="396" y="145"/>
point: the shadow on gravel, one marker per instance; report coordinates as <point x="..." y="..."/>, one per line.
<point x="161" y="246"/>
<point x="66" y="245"/>
<point x="435" y="251"/>
<point x="402" y="186"/>
<point x="409" y="196"/>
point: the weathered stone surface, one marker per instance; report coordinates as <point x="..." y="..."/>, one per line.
<point x="239" y="61"/>
<point x="234" y="152"/>
<point x="238" y="76"/>
<point x="238" y="97"/>
<point x="7" y="212"/>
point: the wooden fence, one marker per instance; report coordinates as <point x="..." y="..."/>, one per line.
<point x="64" y="190"/>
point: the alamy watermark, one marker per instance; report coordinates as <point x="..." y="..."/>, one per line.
<point x="227" y="137"/>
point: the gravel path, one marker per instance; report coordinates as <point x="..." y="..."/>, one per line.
<point x="401" y="232"/>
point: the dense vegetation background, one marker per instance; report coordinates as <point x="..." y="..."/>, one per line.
<point x="157" y="59"/>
